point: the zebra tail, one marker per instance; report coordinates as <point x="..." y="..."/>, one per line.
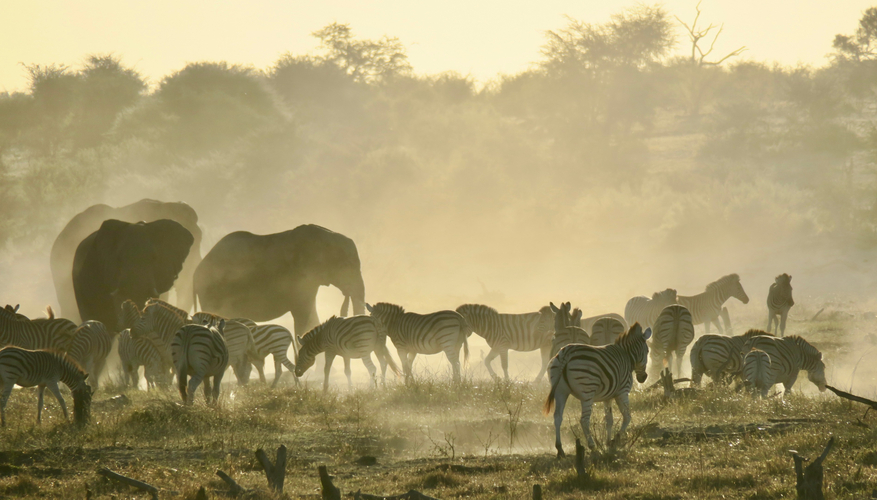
<point x="549" y="403"/>
<point x="385" y="353"/>
<point x="181" y="364"/>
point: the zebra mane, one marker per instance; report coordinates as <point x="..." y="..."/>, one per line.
<point x="480" y="309"/>
<point x="623" y="337"/>
<point x="754" y="332"/>
<point x="8" y="313"/>
<point x="387" y="308"/>
<point x="176" y="310"/>
<point x="66" y="361"/>
<point x="809" y="350"/>
<point x="316" y="331"/>
<point x="546" y="310"/>
<point x="723" y="281"/>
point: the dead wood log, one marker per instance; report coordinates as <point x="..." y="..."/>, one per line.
<point x="202" y="494"/>
<point x="329" y="491"/>
<point x="537" y="492"/>
<point x="276" y="472"/>
<point x="234" y="489"/>
<point x="107" y="473"/>
<point x="852" y="397"/>
<point x="580" y="461"/>
<point x="411" y="495"/>
<point x="817" y="314"/>
<point x="809" y="479"/>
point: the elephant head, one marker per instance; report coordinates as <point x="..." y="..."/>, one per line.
<point x="336" y="261"/>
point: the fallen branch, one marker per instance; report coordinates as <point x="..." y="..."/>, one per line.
<point x="234" y="489"/>
<point x="817" y="314"/>
<point x="411" y="495"/>
<point x="107" y="473"/>
<point x="809" y="479"/>
<point x="330" y="492"/>
<point x="851" y="397"/>
<point x="276" y="472"/>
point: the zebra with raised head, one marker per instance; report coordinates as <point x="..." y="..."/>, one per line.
<point x="143" y="351"/>
<point x="671" y="335"/>
<point x="779" y="301"/>
<point x="719" y="356"/>
<point x="759" y="372"/>
<point x="517" y="332"/>
<point x="567" y="327"/>
<point x="791" y="355"/>
<point x="356" y="337"/>
<point x="35" y="334"/>
<point x="645" y="311"/>
<point x="28" y="368"/>
<point x="200" y="352"/>
<point x="707" y="307"/>
<point x="91" y="345"/>
<point x="604" y="330"/>
<point x="597" y="374"/>
<point x="242" y="353"/>
<point x="274" y="340"/>
<point x="413" y="334"/>
<point x="158" y="323"/>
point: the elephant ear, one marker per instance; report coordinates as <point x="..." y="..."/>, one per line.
<point x="171" y="244"/>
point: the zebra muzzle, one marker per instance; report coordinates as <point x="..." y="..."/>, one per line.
<point x="641" y="377"/>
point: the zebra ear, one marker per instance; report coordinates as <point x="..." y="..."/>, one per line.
<point x="16" y="308"/>
<point x="369" y="308"/>
<point x="554" y="307"/>
<point x="647" y="333"/>
<point x="221" y="325"/>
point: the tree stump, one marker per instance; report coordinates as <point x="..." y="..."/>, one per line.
<point x="537" y="492"/>
<point x="276" y="472"/>
<point x="329" y="491"/>
<point x="580" y="461"/>
<point x="809" y="479"/>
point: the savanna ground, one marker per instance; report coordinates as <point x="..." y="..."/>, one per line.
<point x="718" y="445"/>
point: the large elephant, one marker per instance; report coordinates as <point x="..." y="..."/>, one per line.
<point x="88" y="221"/>
<point x="262" y="277"/>
<point x="122" y="261"/>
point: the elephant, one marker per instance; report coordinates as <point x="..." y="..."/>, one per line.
<point x="122" y="261"/>
<point x="89" y="221"/>
<point x="261" y="277"/>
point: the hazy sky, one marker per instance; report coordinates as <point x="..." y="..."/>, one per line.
<point x="481" y="38"/>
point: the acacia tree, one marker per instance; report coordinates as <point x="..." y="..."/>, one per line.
<point x="365" y="60"/>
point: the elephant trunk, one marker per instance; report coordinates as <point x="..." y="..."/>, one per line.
<point x="345" y="306"/>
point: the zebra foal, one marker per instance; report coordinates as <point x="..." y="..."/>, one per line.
<point x="135" y="352"/>
<point x="645" y="311"/>
<point x="671" y="335"/>
<point x="200" y="352"/>
<point x="779" y="301"/>
<point x="719" y="356"/>
<point x="597" y="374"/>
<point x="791" y="355"/>
<point x="413" y="334"/>
<point x="274" y="340"/>
<point x="759" y="372"/>
<point x="28" y="368"/>
<point x="707" y="307"/>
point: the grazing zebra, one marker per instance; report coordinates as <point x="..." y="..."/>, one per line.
<point x="517" y="332"/>
<point x="706" y="307"/>
<point x="595" y="374"/>
<point x="239" y="340"/>
<point x="567" y="329"/>
<point x="274" y="340"/>
<point x="672" y="333"/>
<point x="135" y="352"/>
<point x="355" y="337"/>
<point x="759" y="371"/>
<point x="200" y="352"/>
<point x="605" y="330"/>
<point x="779" y="301"/>
<point x="413" y="334"/>
<point x="91" y="345"/>
<point x="645" y="311"/>
<point x="718" y="355"/>
<point x="35" y="334"/>
<point x="791" y="354"/>
<point x="28" y="368"/>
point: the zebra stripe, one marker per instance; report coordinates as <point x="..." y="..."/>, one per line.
<point x="673" y="332"/>
<point x="792" y="354"/>
<point x="779" y="301"/>
<point x="199" y="352"/>
<point x="413" y="334"/>
<point x="595" y="374"/>
<point x="239" y="341"/>
<point x="504" y="332"/>
<point x="605" y="329"/>
<point x="759" y="372"/>
<point x="142" y="351"/>
<point x="274" y="340"/>
<point x="35" y="334"/>
<point x="645" y="311"/>
<point x="91" y="345"/>
<point x="354" y="337"/>
<point x="128" y="315"/>
<point x="706" y="307"/>
<point x="28" y="368"/>
<point x="567" y="327"/>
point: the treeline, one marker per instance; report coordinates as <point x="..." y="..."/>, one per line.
<point x="605" y="130"/>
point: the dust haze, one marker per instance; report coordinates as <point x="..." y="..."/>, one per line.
<point x="617" y="165"/>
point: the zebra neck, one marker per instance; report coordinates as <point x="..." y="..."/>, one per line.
<point x="69" y="376"/>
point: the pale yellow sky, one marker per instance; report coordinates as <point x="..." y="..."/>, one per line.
<point x="480" y="38"/>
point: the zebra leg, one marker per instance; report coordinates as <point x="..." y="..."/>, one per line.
<point x="260" y="367"/>
<point x="53" y="386"/>
<point x="585" y="421"/>
<point x="680" y="356"/>
<point x="7" y="390"/>
<point x="770" y="319"/>
<point x="545" y="350"/>
<point x="561" y="394"/>
<point x="208" y="390"/>
<point x="289" y="366"/>
<point x="217" y="379"/>
<point x="194" y="382"/>
<point x="411" y="356"/>
<point x="489" y="359"/>
<point x="278" y="367"/>
<point x="454" y="358"/>
<point x="623" y="402"/>
<point x="706" y="326"/>
<point x="40" y="391"/>
<point x="329" y="359"/>
<point x="607" y="412"/>
<point x="783" y="317"/>
<point x="347" y="372"/>
<point x="793" y="377"/>
<point x="383" y="361"/>
<point x="372" y="371"/>
<point x="504" y="361"/>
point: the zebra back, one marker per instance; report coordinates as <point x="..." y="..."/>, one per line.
<point x="673" y="330"/>
<point x="26" y="366"/>
<point x="54" y="334"/>
<point x="91" y="341"/>
<point x="605" y="330"/>
<point x="197" y="349"/>
<point x="588" y="323"/>
<point x="484" y="320"/>
<point x="759" y="371"/>
<point x="423" y="333"/>
<point x="645" y="311"/>
<point x="707" y="306"/>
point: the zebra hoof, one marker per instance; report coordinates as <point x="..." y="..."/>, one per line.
<point x="560" y="453"/>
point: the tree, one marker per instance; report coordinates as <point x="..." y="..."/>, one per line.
<point x="365" y="60"/>
<point x="861" y="45"/>
<point x="106" y="89"/>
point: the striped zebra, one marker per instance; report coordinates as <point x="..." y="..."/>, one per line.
<point x="706" y="307"/>
<point x="413" y="334"/>
<point x="239" y="340"/>
<point x="28" y="368"/>
<point x="50" y="314"/>
<point x="671" y="335"/>
<point x="517" y="332"/>
<point x="274" y="340"/>
<point x="567" y="327"/>
<point x="354" y="337"/>
<point x="791" y="354"/>
<point x="605" y="329"/>
<point x="595" y="374"/>
<point x="645" y="311"/>
<point x="91" y="345"/>
<point x="128" y="315"/>
<point x="719" y="356"/>
<point x="200" y="352"/>
<point x="35" y="334"/>
<point x="146" y="352"/>
<point x="759" y="372"/>
<point x="779" y="301"/>
<point x="161" y="323"/>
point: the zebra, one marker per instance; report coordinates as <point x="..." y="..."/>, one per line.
<point x="645" y="311"/>
<point x="274" y="340"/>
<point x="128" y="315"/>
<point x="142" y="351"/>
<point x="718" y="355"/>
<point x="759" y="372"/>
<point x="706" y="307"/>
<point x="604" y="330"/>
<point x="199" y="351"/>
<point x="160" y="322"/>
<point x="672" y="333"/>
<point x="791" y="354"/>
<point x="567" y="327"/>
<point x="28" y="368"/>
<point x="413" y="334"/>
<point x="91" y="345"/>
<point x="354" y="337"/>
<point x="517" y="332"/>
<point x="239" y="341"/>
<point x="779" y="301"/>
<point x="595" y="374"/>
<point x="56" y="333"/>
